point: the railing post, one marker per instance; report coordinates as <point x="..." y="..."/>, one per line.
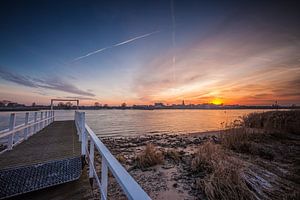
<point x="46" y="116"/>
<point x="83" y="135"/>
<point x="41" y="123"/>
<point x="104" y="178"/>
<point x="12" y="121"/>
<point x="49" y="120"/>
<point x="53" y="114"/>
<point x="76" y="121"/>
<point x="26" y="130"/>
<point x="79" y="127"/>
<point x="91" y="164"/>
<point x="34" y="121"/>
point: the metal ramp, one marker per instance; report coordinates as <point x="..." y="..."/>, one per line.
<point x="20" y="180"/>
<point x="50" y="157"/>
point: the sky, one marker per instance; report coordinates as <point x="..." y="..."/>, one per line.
<point x="141" y="52"/>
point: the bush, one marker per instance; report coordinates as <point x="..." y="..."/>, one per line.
<point x="149" y="157"/>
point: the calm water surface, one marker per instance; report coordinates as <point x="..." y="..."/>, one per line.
<point x="137" y="122"/>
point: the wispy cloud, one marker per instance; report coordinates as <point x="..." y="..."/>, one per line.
<point x="223" y="65"/>
<point x="115" y="45"/>
<point x="16" y="78"/>
<point x="53" y="83"/>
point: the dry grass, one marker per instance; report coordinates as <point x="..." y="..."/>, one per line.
<point x="223" y="179"/>
<point x="278" y="121"/>
<point x="121" y="158"/>
<point x="240" y="167"/>
<point x="242" y="140"/>
<point x="206" y="157"/>
<point x="149" y="157"/>
<point x="254" y="131"/>
<point x="229" y="177"/>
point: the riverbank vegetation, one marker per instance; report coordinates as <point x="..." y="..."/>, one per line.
<point x="256" y="157"/>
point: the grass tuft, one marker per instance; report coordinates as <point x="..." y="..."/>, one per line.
<point x="223" y="178"/>
<point x="149" y="157"/>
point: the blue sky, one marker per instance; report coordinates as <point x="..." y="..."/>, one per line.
<point x="154" y="51"/>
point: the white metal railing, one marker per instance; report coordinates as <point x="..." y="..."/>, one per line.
<point x="130" y="187"/>
<point x="14" y="135"/>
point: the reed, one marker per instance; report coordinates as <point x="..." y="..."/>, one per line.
<point x="240" y="168"/>
<point x="223" y="178"/>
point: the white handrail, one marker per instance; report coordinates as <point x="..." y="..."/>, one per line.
<point x="131" y="188"/>
<point x="26" y="127"/>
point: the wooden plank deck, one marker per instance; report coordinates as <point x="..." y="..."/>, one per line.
<point x="58" y="141"/>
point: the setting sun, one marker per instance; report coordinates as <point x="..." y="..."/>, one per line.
<point x="216" y="101"/>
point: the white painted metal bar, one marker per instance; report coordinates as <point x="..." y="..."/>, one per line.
<point x="20" y="128"/>
<point x="131" y="188"/>
<point x="17" y="134"/>
<point x="35" y="120"/>
<point x="83" y="133"/>
<point x="97" y="179"/>
<point x="104" y="176"/>
<point x="12" y="121"/>
<point x="26" y="130"/>
<point x="91" y="156"/>
<point x="46" y="116"/>
<point x="41" y="124"/>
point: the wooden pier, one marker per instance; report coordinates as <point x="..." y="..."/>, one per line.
<point x="57" y="141"/>
<point x="46" y="159"/>
<point x="55" y="146"/>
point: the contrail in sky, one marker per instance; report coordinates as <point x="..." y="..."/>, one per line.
<point x="91" y="53"/>
<point x="173" y="37"/>
<point x="136" y="38"/>
<point x="115" y="45"/>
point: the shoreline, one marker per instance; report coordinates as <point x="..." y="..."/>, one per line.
<point x="28" y="109"/>
<point x="171" y="179"/>
<point x="186" y="164"/>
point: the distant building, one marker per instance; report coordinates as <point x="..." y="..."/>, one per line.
<point x="5" y="102"/>
<point x="183" y="103"/>
<point x="159" y="105"/>
<point x="13" y="105"/>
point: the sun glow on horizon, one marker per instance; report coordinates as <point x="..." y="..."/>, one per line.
<point x="216" y="101"/>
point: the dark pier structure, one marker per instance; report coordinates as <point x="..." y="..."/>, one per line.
<point x="48" y="165"/>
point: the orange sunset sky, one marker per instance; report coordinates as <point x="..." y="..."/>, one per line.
<point x="141" y="53"/>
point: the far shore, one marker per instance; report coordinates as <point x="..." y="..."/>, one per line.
<point x="22" y="109"/>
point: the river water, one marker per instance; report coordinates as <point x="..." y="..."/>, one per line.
<point x="137" y="122"/>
